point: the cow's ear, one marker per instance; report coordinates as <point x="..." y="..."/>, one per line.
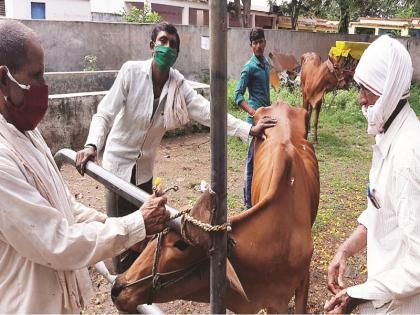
<point x="233" y="281"/>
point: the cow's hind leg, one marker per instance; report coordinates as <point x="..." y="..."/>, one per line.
<point x="301" y="295"/>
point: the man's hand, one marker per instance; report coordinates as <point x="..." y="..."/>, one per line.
<point x="263" y="123"/>
<point x="155" y="215"/>
<point x="83" y="156"/>
<point x="342" y="303"/>
<point x="338" y="303"/>
<point x="336" y="271"/>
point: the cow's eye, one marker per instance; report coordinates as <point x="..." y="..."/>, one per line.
<point x="181" y="245"/>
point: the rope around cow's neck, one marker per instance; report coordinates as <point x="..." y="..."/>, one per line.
<point x="204" y="226"/>
<point x="187" y="217"/>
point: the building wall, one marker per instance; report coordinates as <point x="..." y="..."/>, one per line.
<point x="66" y="44"/>
<point x="79" y="82"/>
<point x="67" y="10"/>
<point x="264" y="21"/>
<point x="170" y="13"/>
<point x="107" y="6"/>
<point x="194" y="15"/>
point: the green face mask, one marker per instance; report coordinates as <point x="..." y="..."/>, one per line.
<point x="165" y="57"/>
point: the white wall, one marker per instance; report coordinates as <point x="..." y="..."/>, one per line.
<point x="107" y="6"/>
<point x="67" y="10"/>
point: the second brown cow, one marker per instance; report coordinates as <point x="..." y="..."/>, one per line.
<point x="316" y="79"/>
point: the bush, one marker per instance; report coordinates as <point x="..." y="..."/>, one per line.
<point x="90" y="62"/>
<point x="145" y="15"/>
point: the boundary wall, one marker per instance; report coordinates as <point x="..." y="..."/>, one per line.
<point x="67" y="43"/>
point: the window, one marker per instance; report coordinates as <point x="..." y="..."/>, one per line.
<point x="391" y="32"/>
<point x="38" y="11"/>
<point x="2" y="8"/>
<point x="365" y="30"/>
<point x="414" y="33"/>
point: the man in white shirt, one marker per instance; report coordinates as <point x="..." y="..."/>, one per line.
<point x="147" y="99"/>
<point x="390" y="226"/>
<point x="47" y="239"/>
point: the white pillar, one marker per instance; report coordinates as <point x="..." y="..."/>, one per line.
<point x="404" y="31"/>
<point x="376" y="31"/>
<point x="9" y="8"/>
<point x="274" y="23"/>
<point x="186" y="15"/>
<point x="252" y="20"/>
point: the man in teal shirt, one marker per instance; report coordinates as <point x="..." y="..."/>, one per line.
<point x="256" y="77"/>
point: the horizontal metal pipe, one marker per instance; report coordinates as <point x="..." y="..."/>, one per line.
<point x="149" y="309"/>
<point x="124" y="189"/>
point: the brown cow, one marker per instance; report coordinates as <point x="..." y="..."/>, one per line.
<point x="271" y="243"/>
<point x="316" y="79"/>
<point x="284" y="67"/>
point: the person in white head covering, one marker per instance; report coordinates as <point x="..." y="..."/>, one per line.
<point x="389" y="228"/>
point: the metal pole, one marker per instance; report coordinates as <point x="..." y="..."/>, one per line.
<point x="124" y="189"/>
<point x="218" y="96"/>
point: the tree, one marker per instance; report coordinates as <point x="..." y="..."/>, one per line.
<point x="292" y="9"/>
<point x="343" y="25"/>
<point x="244" y="16"/>
<point x="347" y="10"/>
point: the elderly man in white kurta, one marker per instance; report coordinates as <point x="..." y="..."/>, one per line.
<point x="390" y="226"/>
<point x="47" y="239"/>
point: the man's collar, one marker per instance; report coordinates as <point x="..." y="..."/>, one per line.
<point x="257" y="61"/>
<point x="384" y="140"/>
<point x="148" y="67"/>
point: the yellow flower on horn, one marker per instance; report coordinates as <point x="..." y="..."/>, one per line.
<point x="158" y="182"/>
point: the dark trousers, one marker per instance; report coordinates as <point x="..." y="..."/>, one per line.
<point x="249" y="170"/>
<point x="117" y="206"/>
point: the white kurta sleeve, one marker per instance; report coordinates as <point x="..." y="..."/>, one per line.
<point x="363" y="218"/>
<point x="199" y="110"/>
<point x="83" y="213"/>
<point x="404" y="279"/>
<point x="41" y="233"/>
<point x="108" y="108"/>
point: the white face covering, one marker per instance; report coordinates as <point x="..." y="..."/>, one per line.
<point x="372" y="120"/>
<point x="386" y="70"/>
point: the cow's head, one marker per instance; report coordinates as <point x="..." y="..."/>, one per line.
<point x="338" y="64"/>
<point x="182" y="265"/>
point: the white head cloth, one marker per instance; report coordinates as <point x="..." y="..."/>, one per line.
<point x="386" y="70"/>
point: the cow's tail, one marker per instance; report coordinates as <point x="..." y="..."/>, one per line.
<point x="301" y="294"/>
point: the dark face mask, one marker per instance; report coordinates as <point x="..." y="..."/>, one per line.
<point x="34" y="106"/>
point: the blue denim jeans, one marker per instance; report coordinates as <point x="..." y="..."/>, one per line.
<point x="249" y="170"/>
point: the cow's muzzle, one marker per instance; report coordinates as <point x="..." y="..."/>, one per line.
<point x="116" y="290"/>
